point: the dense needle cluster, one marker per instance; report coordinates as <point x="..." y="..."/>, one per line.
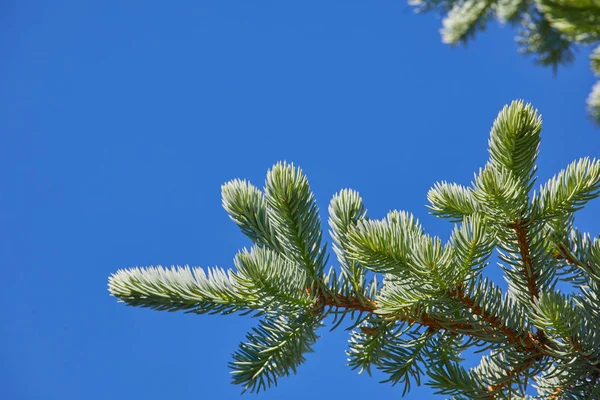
<point x="413" y="303"/>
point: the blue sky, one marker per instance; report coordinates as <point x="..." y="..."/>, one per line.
<point x="121" y="120"/>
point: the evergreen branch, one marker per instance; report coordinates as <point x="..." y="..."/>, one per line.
<point x="433" y="302"/>
<point x="367" y="342"/>
<point x="526" y="340"/>
<point x="501" y="195"/>
<point x="510" y="10"/>
<point x="472" y="246"/>
<point x="564" y="322"/>
<point x="569" y="190"/>
<point x="412" y="316"/>
<point x="593" y="102"/>
<point x="527" y="248"/>
<point x="508" y="377"/>
<point x="531" y="276"/>
<point x="549" y="45"/>
<point x="385" y="245"/>
<point x="583" y="255"/>
<point x="452" y="201"/>
<point x="271" y="282"/>
<point x="178" y="289"/>
<point x="454" y="380"/>
<point x="550" y="30"/>
<point x="397" y="245"/>
<point x="264" y="281"/>
<point x="514" y="141"/>
<point x="555" y="384"/>
<point x="578" y="19"/>
<point x="273" y="349"/>
<point x="294" y="215"/>
<point x="403" y="360"/>
<point x="465" y="19"/>
<point x="595" y="60"/>
<point x="248" y="208"/>
<point x="345" y="210"/>
<point x="429" y="5"/>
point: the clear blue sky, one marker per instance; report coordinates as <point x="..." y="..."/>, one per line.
<point x="120" y="120"/>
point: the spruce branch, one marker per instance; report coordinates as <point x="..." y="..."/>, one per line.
<point x="294" y="215"/>
<point x="178" y="289"/>
<point x="593" y="102"/>
<point x="273" y="350"/>
<point x="578" y="19"/>
<point x="465" y="19"/>
<point x="515" y="140"/>
<point x="521" y="338"/>
<point x="248" y="208"/>
<point x="510" y="10"/>
<point x="549" y="46"/>
<point x="452" y="201"/>
<point x="524" y="245"/>
<point x="569" y="190"/>
<point x="346" y="209"/>
<point x="432" y="302"/>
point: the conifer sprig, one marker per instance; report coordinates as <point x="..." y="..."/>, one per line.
<point x="413" y="302"/>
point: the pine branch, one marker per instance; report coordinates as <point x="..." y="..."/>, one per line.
<point x="179" y="289"/>
<point x="514" y="374"/>
<point x="514" y="141"/>
<point x="528" y="269"/>
<point x="578" y="19"/>
<point x="433" y="302"/>
<point x="593" y="102"/>
<point x="527" y="340"/>
<point x="511" y="10"/>
<point x="549" y="46"/>
<point x="272" y="350"/>
<point x="465" y="19"/>
<point x="452" y="201"/>
<point x="346" y="209"/>
<point x="569" y="190"/>
<point x="294" y="215"/>
<point x="582" y="253"/>
<point x="248" y="208"/>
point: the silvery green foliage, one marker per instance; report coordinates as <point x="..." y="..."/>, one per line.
<point x="413" y="302"/>
<point x="549" y="30"/>
<point x="593" y="100"/>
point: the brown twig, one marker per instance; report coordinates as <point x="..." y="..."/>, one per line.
<point x="514" y="373"/>
<point x="523" y="244"/>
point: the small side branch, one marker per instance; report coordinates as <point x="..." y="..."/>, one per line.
<point x="514" y="374"/>
<point x="526" y="340"/>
